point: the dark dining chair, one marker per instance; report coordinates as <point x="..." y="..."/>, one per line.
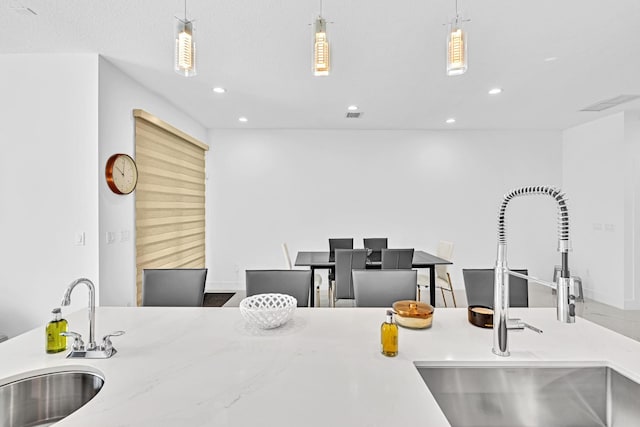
<point x="173" y="287"/>
<point x="375" y="244"/>
<point x="478" y="284"/>
<point x="397" y="259"/>
<point x="346" y="261"/>
<point x="340" y="243"/>
<point x="290" y="282"/>
<point x="381" y="288"/>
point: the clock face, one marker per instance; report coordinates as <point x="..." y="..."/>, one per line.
<point x="121" y="173"/>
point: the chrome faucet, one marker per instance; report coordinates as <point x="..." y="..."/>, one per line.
<point x="66" y="300"/>
<point x="565" y="294"/>
<point x="91" y="351"/>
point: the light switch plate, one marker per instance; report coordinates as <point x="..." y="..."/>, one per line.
<point x="111" y="237"/>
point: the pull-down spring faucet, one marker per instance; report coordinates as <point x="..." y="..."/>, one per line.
<point x="565" y="295"/>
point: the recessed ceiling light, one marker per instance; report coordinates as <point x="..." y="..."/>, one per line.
<point x="352" y="107"/>
<point x="551" y="59"/>
<point x="495" y="91"/>
<point x="243" y="119"/>
<point x="451" y="120"/>
<point x="219" y="90"/>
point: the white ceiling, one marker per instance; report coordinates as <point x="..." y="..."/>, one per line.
<point x="387" y="57"/>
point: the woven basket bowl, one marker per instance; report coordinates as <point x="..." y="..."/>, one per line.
<point x="268" y="311"/>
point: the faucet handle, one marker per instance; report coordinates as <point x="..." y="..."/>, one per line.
<point x="518" y="324"/>
<point x="533" y="328"/>
<point x="78" y="344"/>
<point x="107" y="345"/>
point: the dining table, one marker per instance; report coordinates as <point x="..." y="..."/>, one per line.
<point x="324" y="260"/>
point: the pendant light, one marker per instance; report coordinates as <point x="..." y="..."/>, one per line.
<point x="456" y="46"/>
<point x="320" y="46"/>
<point x="185" y="54"/>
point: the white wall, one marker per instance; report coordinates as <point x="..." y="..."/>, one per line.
<point x="48" y="182"/>
<point x="414" y="187"/>
<point x="601" y="176"/>
<point x="632" y="211"/>
<point x="119" y="96"/>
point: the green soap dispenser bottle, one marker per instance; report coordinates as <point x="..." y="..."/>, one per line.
<point x="389" y="336"/>
<point x="55" y="342"/>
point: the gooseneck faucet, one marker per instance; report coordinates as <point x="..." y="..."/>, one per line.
<point x="565" y="295"/>
<point x="66" y="300"/>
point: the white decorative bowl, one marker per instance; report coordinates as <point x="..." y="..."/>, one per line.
<point x="268" y="311"/>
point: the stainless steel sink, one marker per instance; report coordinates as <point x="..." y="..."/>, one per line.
<point x="41" y="399"/>
<point x="524" y="396"/>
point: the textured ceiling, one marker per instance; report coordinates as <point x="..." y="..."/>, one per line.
<point x="387" y="57"/>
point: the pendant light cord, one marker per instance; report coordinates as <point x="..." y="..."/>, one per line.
<point x="185" y="10"/>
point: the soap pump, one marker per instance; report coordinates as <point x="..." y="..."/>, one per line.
<point x="55" y="343"/>
<point x="389" y="336"/>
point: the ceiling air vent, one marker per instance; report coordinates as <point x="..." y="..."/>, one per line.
<point x="353" y="115"/>
<point x="609" y="103"/>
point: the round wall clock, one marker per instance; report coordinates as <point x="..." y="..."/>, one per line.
<point x="121" y="173"/>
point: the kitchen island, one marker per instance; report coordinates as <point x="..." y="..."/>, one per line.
<point x="207" y="367"/>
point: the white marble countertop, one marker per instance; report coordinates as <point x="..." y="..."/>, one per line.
<point x="206" y="367"/>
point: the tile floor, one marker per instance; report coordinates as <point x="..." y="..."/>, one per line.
<point x="625" y="322"/>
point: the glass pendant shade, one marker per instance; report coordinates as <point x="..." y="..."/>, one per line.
<point x="185" y="55"/>
<point x="320" y="49"/>
<point x="456" y="48"/>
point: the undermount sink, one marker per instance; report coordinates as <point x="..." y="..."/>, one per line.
<point x="43" y="398"/>
<point x="524" y="396"/>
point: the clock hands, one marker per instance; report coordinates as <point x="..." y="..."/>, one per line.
<point x="120" y="170"/>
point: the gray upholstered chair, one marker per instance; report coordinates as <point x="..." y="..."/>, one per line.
<point x="381" y="288"/>
<point x="290" y="282"/>
<point x="478" y="284"/>
<point x="397" y="259"/>
<point x="346" y="261"/>
<point x="173" y="287"/>
<point x="376" y="244"/>
<point x="342" y="243"/>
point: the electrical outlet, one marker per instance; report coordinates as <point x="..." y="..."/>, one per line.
<point x="111" y="237"/>
<point x="597" y="226"/>
<point x="124" y="236"/>
<point x="609" y="227"/>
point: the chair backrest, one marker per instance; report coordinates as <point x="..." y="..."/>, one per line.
<point x="397" y="258"/>
<point x="346" y="261"/>
<point x="173" y="287"/>
<point x="339" y="244"/>
<point x="444" y="251"/>
<point x="287" y="257"/>
<point x="290" y="282"/>
<point x="478" y="284"/>
<point x="381" y="288"/>
<point x="376" y="244"/>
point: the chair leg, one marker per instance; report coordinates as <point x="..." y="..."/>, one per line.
<point x="453" y="294"/>
<point x="332" y="300"/>
<point x="317" y="296"/>
<point x="419" y="295"/>
<point x="443" y="298"/>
